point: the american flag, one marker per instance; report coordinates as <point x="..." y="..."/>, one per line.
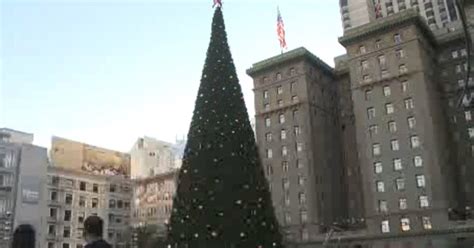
<point x="281" y="30"/>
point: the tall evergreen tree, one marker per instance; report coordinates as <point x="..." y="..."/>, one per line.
<point x="222" y="199"/>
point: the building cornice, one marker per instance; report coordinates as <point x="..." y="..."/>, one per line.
<point x="298" y="53"/>
<point x="403" y="18"/>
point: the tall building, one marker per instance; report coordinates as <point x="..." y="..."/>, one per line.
<point x="437" y="13"/>
<point x="151" y="157"/>
<point x="402" y="133"/>
<point x="404" y="146"/>
<point x="295" y="118"/>
<point x="86" y="180"/>
<point x="153" y="199"/>
<point x="22" y="182"/>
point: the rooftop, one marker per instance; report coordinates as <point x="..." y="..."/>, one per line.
<point x="298" y="53"/>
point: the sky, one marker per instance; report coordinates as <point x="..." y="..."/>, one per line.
<point x="106" y="72"/>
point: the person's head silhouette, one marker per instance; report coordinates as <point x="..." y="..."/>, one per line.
<point x="24" y="237"/>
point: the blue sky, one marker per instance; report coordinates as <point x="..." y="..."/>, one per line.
<point x="105" y="72"/>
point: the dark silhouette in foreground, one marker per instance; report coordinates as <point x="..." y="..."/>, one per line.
<point x="24" y="237"/>
<point x="93" y="231"/>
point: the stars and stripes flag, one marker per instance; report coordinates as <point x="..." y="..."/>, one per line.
<point x="281" y="30"/>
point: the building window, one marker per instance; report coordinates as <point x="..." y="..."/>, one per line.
<point x="385" y="227"/>
<point x="378" y="44"/>
<point x="364" y="65"/>
<point x="287" y="199"/>
<point x="387" y="91"/>
<point x="302" y="198"/>
<point x="82" y="201"/>
<point x="465" y="66"/>
<point x="426" y="222"/>
<point x="95" y="188"/>
<point x="394" y="145"/>
<point x="80" y="217"/>
<point x="292" y="71"/>
<point x="378" y="167"/>
<point x="280" y="103"/>
<point x="370" y="113"/>
<point x="411" y="122"/>
<point x="284" y="151"/>
<point x="467" y="115"/>
<point x="112" y="188"/>
<point x="287" y="218"/>
<point x="420" y="181"/>
<point x="269" y="153"/>
<point x="400" y="184"/>
<point x="405" y="224"/>
<point x="458" y="69"/>
<point x="265" y="94"/>
<point x="53" y="195"/>
<point x="385" y="74"/>
<point x="51" y="245"/>
<point x="373" y="130"/>
<point x="82" y="186"/>
<point x="376" y="150"/>
<point x="304" y="234"/>
<point x="268" y="137"/>
<point x="470" y="131"/>
<point x="284" y="166"/>
<point x="282" y="118"/>
<point x="285" y="183"/>
<point x="397" y="38"/>
<point x="66" y="245"/>
<point x="404" y="86"/>
<point x="301" y="180"/>
<point x="424" y="201"/>
<point x="402" y="203"/>
<point x="362" y="49"/>
<point x="414" y="141"/>
<point x="294" y="99"/>
<point x="303" y="216"/>
<point x="297" y="130"/>
<point x="269" y="170"/>
<point x="279" y="90"/>
<point x="293" y="86"/>
<point x="295" y="115"/>
<point x="299" y="147"/>
<point x="418" y="161"/>
<point x="368" y="95"/>
<point x="382" y="61"/>
<point x="95" y="203"/>
<point x="299" y="164"/>
<point x="389" y="108"/>
<point x="367" y="78"/>
<point x="461" y="83"/>
<point x="283" y="134"/>
<point x="383" y="208"/>
<point x="266" y="106"/>
<point x="53" y="213"/>
<point x="409" y="103"/>
<point x="392" y="126"/>
<point x="454" y="54"/>
<point x="267" y="122"/>
<point x="380" y="186"/>
<point x="402" y="69"/>
<point x="67" y="232"/>
<point x="278" y="76"/>
<point x="52" y="230"/>
<point x="112" y="203"/>
<point x="67" y="215"/>
<point x="400" y="53"/>
<point x="397" y="164"/>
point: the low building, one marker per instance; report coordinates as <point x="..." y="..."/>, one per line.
<point x="22" y="179"/>
<point x="153" y="199"/>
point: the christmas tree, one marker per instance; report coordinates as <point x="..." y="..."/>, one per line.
<point x="222" y="197"/>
